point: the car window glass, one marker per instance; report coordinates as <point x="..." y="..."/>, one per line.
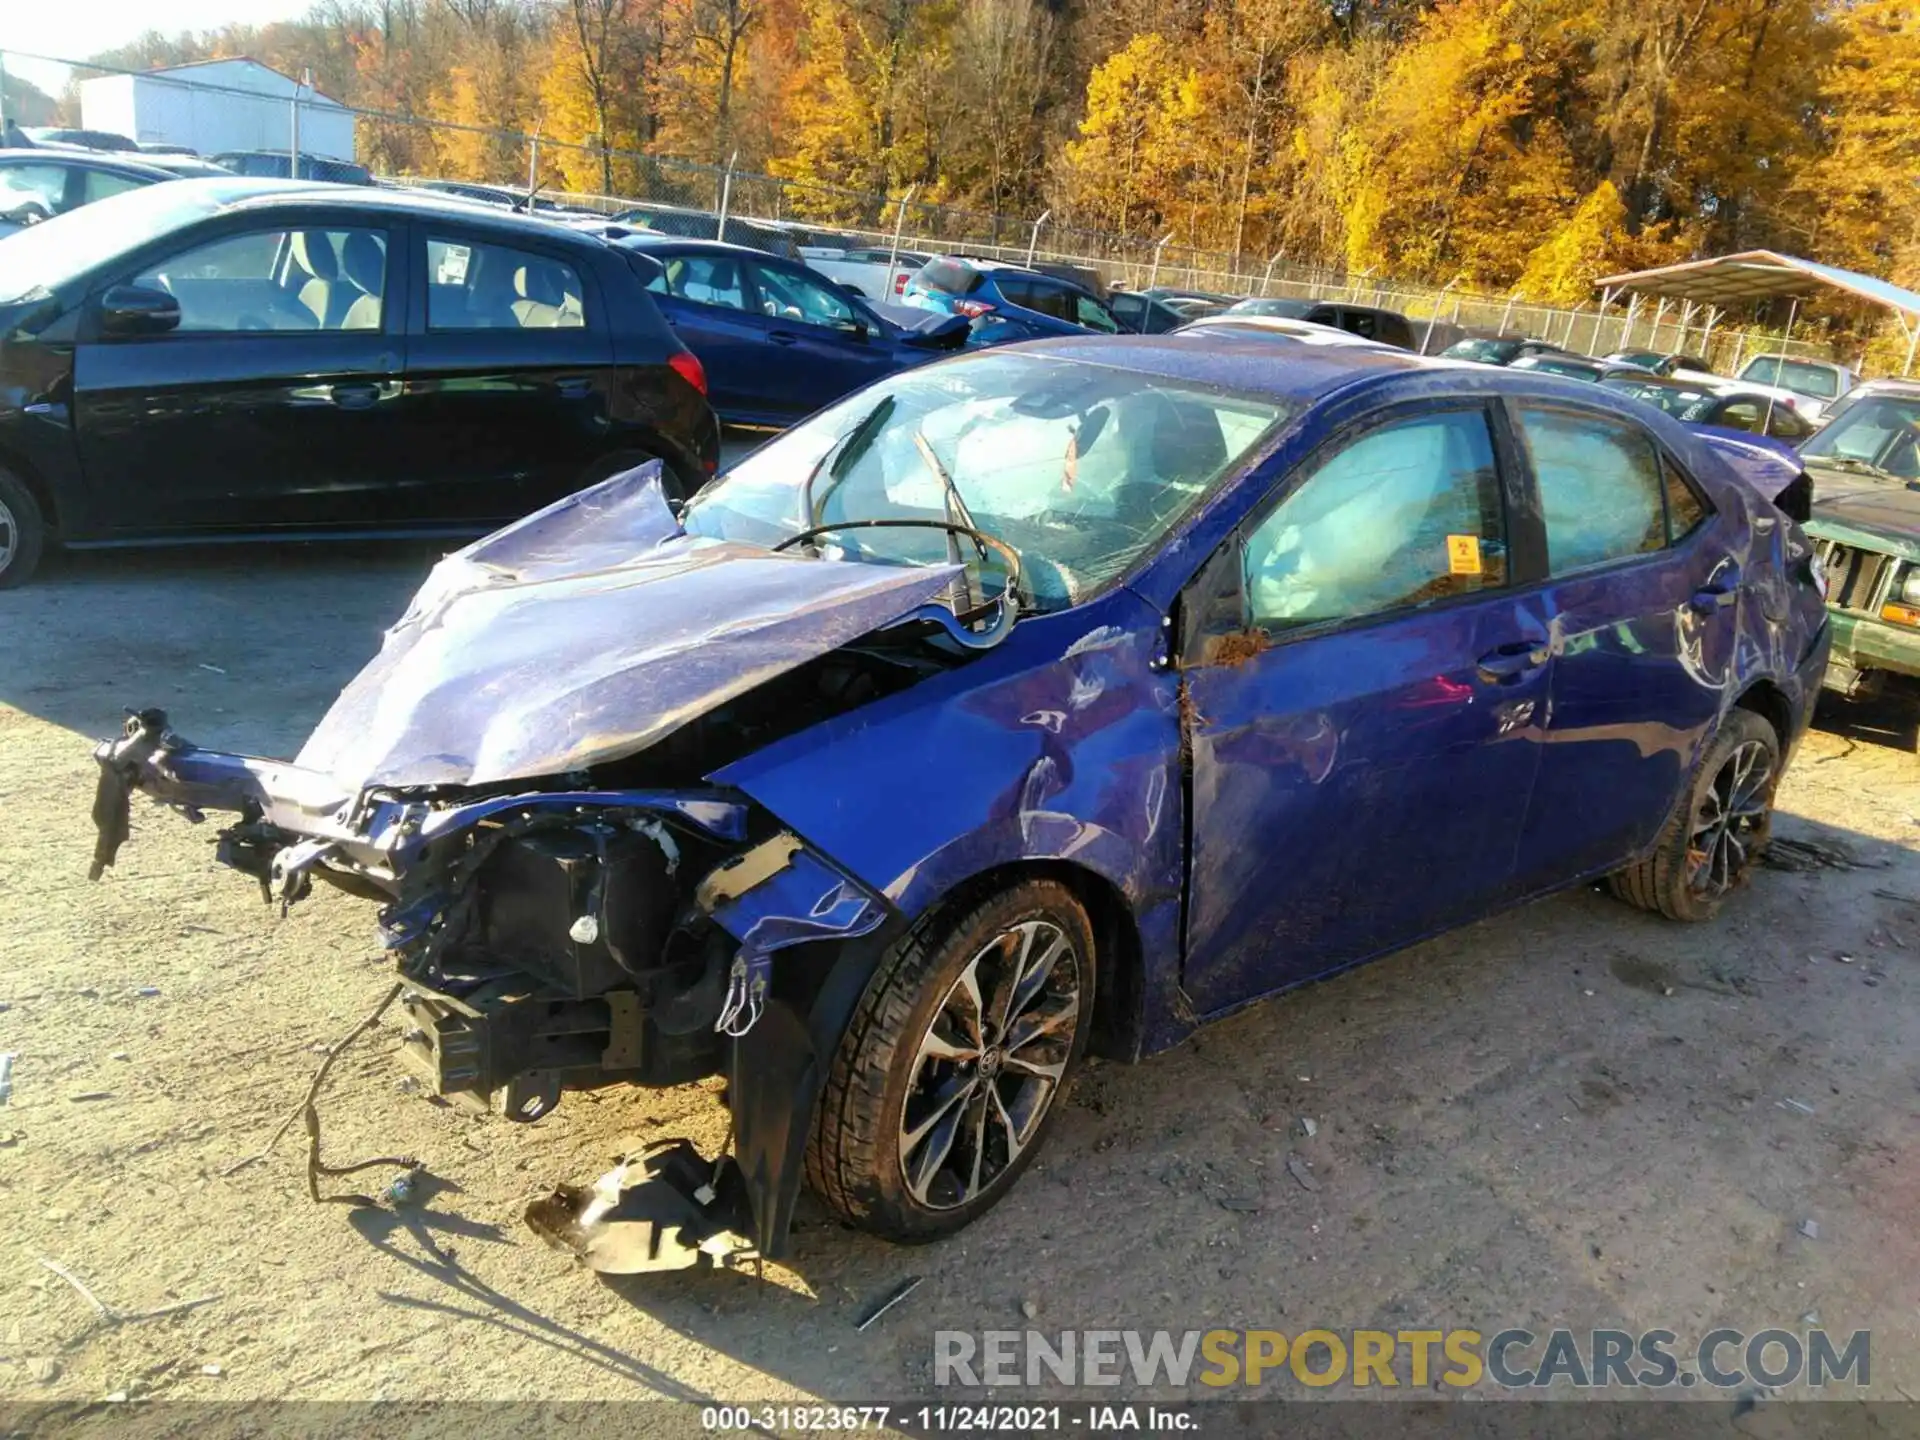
<point x="1685" y="510"/>
<point x="1741" y="415"/>
<point x="32" y="192"/>
<point x="1405" y="515"/>
<point x="705" y="280"/>
<point x="787" y="296"/>
<point x="1081" y="468"/>
<point x="1600" y="488"/>
<point x="277" y="280"/>
<point x="99" y="184"/>
<point x="1091" y="313"/>
<point x="1018" y="290"/>
<point x="472" y="285"/>
<point x="1360" y="322"/>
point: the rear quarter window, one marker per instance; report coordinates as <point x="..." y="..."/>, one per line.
<point x="950" y="277"/>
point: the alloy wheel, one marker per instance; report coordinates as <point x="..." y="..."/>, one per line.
<point x="1730" y="821"/>
<point x="9" y="535"/>
<point x="989" y="1065"/>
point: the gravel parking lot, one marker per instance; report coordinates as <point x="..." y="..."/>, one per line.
<point x="1573" y="1114"/>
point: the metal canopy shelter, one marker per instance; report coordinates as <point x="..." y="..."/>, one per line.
<point x="1754" y="275"/>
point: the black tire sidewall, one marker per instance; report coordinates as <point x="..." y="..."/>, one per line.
<point x="1740" y="727"/>
<point x="29" y="531"/>
<point x="899" y="1213"/>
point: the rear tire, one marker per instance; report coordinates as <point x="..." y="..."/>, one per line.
<point x="1710" y="846"/>
<point x="23" y="532"/>
<point x="952" y="1069"/>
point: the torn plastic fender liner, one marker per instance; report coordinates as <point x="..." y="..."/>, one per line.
<point x="777" y="895"/>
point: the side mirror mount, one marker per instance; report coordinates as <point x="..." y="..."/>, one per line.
<point x="128" y="310"/>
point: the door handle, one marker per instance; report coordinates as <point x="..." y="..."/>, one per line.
<point x="358" y="396"/>
<point x="1507" y="664"/>
<point x="783" y="337"/>
<point x="574" y="387"/>
<point x="1717" y="594"/>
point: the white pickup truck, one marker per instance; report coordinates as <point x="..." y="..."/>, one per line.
<point x="865" y="270"/>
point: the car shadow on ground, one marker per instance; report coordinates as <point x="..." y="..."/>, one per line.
<point x="1478" y="1131"/>
<point x="1889" y="720"/>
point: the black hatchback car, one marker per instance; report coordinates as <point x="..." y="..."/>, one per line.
<point x="270" y="359"/>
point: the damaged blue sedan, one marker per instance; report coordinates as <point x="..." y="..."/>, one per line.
<point x="1045" y="700"/>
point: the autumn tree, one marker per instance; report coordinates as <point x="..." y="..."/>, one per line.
<point x="594" y="91"/>
<point x="1860" y="195"/>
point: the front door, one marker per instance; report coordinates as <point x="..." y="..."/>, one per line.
<point x="1362" y="720"/>
<point x="831" y="349"/>
<point x="272" y="405"/>
<point x="1642" y="602"/>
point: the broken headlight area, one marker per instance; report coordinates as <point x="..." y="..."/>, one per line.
<point x="548" y="940"/>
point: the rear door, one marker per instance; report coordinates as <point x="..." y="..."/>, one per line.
<point x="273" y="405"/>
<point x="820" y="346"/>
<point x="1363" y="722"/>
<point x="1642" y="597"/>
<point x="710" y="301"/>
<point x="509" y="369"/>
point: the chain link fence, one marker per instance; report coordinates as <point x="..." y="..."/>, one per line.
<point x="689" y="197"/>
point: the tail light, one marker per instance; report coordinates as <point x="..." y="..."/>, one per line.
<point x="900" y="283"/>
<point x="687" y="366"/>
<point x="972" y="309"/>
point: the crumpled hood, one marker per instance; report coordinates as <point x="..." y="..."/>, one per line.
<point x="584" y="633"/>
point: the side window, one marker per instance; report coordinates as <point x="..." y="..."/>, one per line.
<point x="1363" y="323"/>
<point x="705" y="280"/>
<point x="1405" y="515"/>
<point x="98" y="185"/>
<point x="1785" y="425"/>
<point x="1601" y="490"/>
<point x="789" y="296"/>
<point x="1091" y="313"/>
<point x="473" y="285"/>
<point x="277" y="280"/>
<point x="32" y="192"/>
<point x="1686" y="511"/>
<point x="1741" y="415"/>
<point x="1020" y="291"/>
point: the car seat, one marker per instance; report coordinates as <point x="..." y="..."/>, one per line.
<point x="542" y="296"/>
<point x="313" y="253"/>
<point x="364" y="262"/>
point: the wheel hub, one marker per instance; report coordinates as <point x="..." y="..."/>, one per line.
<point x="989" y="1065"/>
<point x="1730" y="821"/>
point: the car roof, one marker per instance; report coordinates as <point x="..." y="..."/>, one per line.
<point x="245" y="193"/>
<point x="126" y="161"/>
<point x="684" y="244"/>
<point x="1243" y="363"/>
<point x="1248" y="322"/>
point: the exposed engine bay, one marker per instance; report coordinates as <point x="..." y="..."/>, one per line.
<point x="608" y="922"/>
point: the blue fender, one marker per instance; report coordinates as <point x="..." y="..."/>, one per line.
<point x="1062" y="746"/>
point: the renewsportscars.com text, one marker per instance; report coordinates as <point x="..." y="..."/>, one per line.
<point x="1417" y="1359"/>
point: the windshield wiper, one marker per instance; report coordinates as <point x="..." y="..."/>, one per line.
<point x="954" y="507"/>
<point x="844" y="456"/>
<point x="1853" y="465"/>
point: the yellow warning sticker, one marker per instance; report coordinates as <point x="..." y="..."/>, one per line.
<point x="1463" y="554"/>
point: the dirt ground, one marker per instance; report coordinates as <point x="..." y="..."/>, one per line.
<point x="1573" y="1114"/>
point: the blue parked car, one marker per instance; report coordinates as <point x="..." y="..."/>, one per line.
<point x="1048" y="699"/>
<point x="1007" y="303"/>
<point x="778" y="340"/>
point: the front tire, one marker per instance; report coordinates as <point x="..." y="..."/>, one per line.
<point x="23" y="532"/>
<point x="946" y="1080"/>
<point x="1714" y="839"/>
